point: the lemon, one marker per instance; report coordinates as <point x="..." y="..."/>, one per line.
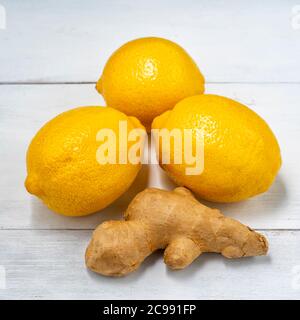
<point x="148" y="76"/>
<point x="241" y="154"/>
<point x="62" y="164"/>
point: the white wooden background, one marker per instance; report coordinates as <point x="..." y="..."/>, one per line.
<point x="52" y="52"/>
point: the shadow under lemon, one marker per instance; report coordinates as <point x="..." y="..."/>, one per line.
<point x="260" y="211"/>
<point x="41" y="215"/>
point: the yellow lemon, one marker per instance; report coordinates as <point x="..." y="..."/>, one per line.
<point x="148" y="76"/>
<point x="63" y="165"/>
<point x="241" y="154"/>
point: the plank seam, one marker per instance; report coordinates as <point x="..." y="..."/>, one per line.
<point x="17" y="83"/>
<point x="91" y="229"/>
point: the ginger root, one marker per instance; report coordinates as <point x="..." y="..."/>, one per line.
<point x="174" y="220"/>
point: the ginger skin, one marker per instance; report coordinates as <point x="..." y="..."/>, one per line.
<point x="170" y="220"/>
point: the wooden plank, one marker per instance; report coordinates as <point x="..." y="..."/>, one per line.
<point x="50" y="265"/>
<point x="70" y="41"/>
<point x="23" y="109"/>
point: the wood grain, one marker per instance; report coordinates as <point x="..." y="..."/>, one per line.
<point x="24" y="109"/>
<point x="50" y="265"/>
<point x="50" y="41"/>
<point x="249" y="52"/>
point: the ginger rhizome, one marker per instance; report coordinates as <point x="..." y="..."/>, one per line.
<point x="170" y="220"/>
